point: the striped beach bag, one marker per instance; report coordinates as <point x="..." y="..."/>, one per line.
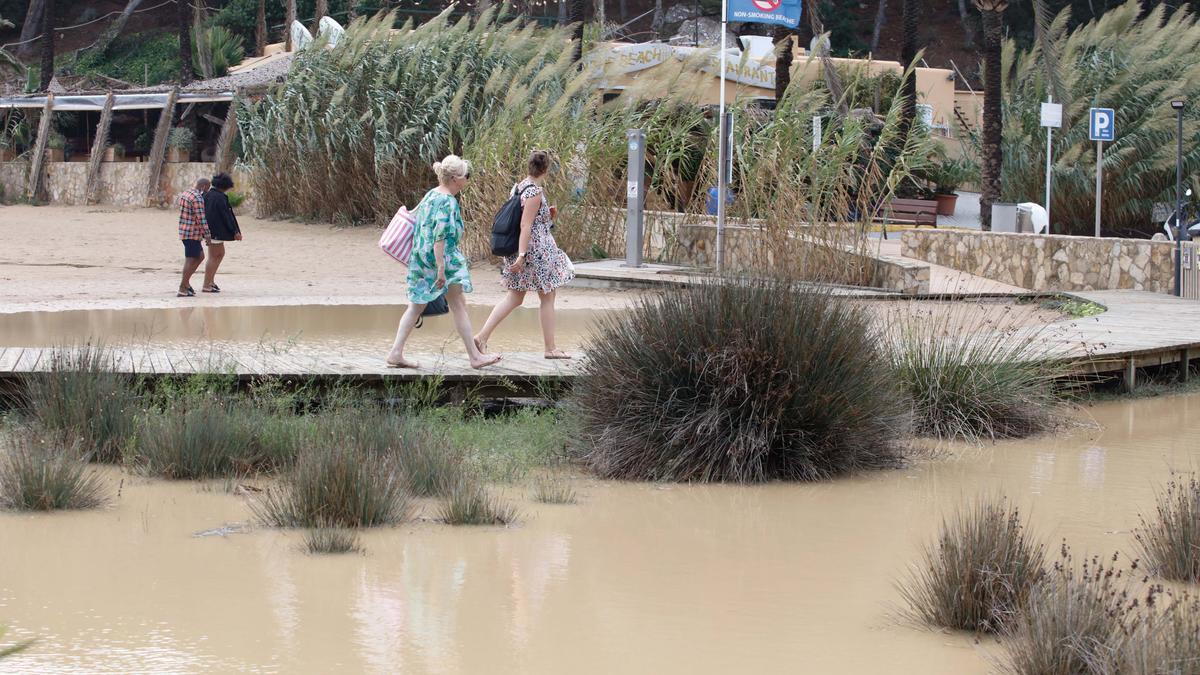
<point x="397" y="239"/>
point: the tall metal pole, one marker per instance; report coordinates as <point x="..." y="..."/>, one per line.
<point x="635" y="195"/>
<point x="1049" y="164"/>
<point x="1179" y="225"/>
<point x="722" y="186"/>
<point x="1099" y="186"/>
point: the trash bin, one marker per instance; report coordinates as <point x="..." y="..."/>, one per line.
<point x="1004" y="217"/>
<point x="711" y="202"/>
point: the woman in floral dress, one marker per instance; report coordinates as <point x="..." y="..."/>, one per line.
<point x="438" y="264"/>
<point x="539" y="265"/>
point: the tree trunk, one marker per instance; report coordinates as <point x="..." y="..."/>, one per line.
<point x="657" y="23"/>
<point x="880" y="19"/>
<point x="993" y="150"/>
<point x="600" y="16"/>
<point x="113" y="31"/>
<point x="203" y="51"/>
<point x="288" y="21"/>
<point x="32" y="28"/>
<point x="577" y="11"/>
<point x="783" y="61"/>
<point x="321" y="10"/>
<point x="965" y="18"/>
<point x="908" y="54"/>
<point x="623" y="10"/>
<point x="47" y="44"/>
<point x="184" y="25"/>
<point x="260" y="29"/>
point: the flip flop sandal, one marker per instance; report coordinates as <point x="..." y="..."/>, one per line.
<point x="214" y="289"/>
<point x="189" y="293"/>
<point x="558" y="355"/>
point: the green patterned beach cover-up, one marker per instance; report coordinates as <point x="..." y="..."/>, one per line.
<point x="438" y="217"/>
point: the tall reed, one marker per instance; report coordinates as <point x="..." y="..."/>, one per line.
<point x="1169" y="541"/>
<point x="41" y="474"/>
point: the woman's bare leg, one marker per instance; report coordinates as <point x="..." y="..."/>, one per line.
<point x="510" y="302"/>
<point x="546" y="314"/>
<point x="409" y="320"/>
<point x="216" y="253"/>
<point x="462" y="323"/>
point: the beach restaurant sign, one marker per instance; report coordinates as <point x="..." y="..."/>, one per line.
<point x="631" y="58"/>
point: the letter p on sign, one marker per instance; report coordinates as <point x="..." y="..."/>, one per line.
<point x="1101" y="125"/>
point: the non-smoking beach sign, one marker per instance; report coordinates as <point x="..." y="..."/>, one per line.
<point x="780" y="12"/>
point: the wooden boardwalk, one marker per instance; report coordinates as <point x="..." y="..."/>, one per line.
<point x="1138" y="329"/>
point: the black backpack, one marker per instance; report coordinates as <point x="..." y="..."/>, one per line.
<point x="506" y="227"/>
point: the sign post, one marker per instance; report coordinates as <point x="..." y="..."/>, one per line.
<point x="817" y="131"/>
<point x="777" y="12"/>
<point x="1101" y="128"/>
<point x="635" y="190"/>
<point x="1051" y="119"/>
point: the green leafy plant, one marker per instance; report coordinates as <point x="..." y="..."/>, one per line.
<point x="56" y="141"/>
<point x="41" y="474"/>
<point x="217" y="49"/>
<point x="1169" y="541"/>
<point x="469" y="503"/>
<point x="235" y="198"/>
<point x="181" y="138"/>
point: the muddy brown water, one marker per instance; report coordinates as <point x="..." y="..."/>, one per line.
<point x="636" y="578"/>
<point x="298" y="328"/>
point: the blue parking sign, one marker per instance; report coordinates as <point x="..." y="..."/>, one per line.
<point x="1102" y="124"/>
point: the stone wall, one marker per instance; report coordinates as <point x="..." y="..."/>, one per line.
<point x="1048" y="262"/>
<point x="121" y="183"/>
<point x="696" y="244"/>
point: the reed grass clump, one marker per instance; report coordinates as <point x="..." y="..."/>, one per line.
<point x="548" y="490"/>
<point x="741" y="381"/>
<point x="199" y="439"/>
<point x="1169" y="541"/>
<point x="978" y="574"/>
<point x="335" y="484"/>
<point x="40" y="474"/>
<point x="80" y="398"/>
<point x="331" y="540"/>
<point x="429" y="463"/>
<point x="470" y="503"/>
<point x="973" y="374"/>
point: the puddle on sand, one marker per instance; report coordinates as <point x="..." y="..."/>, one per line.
<point x="298" y="328"/>
<point x="636" y="578"/>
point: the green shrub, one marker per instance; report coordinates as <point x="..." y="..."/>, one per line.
<point x="181" y="138"/>
<point x="335" y="484"/>
<point x="142" y="58"/>
<point x="80" y="398"/>
<point x="974" y="376"/>
<point x="39" y="474"/>
<point x="979" y="573"/>
<point x="323" y="540"/>
<point x="470" y="503"/>
<point x="741" y="381"/>
<point x="219" y="47"/>
<point x="1170" y="541"/>
<point x="235" y="198"/>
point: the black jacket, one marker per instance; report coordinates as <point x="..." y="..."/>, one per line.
<point x="219" y="214"/>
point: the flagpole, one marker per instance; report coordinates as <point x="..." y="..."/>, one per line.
<point x="722" y="133"/>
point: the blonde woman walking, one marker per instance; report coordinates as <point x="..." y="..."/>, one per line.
<point x="539" y="265"/>
<point x="438" y="264"/>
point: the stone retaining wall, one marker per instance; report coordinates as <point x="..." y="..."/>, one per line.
<point x="696" y="244"/>
<point x="121" y="183"/>
<point x="1048" y="262"/>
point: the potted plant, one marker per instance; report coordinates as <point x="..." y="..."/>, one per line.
<point x="114" y="153"/>
<point x="179" y="144"/>
<point x="143" y="143"/>
<point x="947" y="178"/>
<point x="57" y="144"/>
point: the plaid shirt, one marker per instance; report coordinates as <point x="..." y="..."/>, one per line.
<point x="192" y="223"/>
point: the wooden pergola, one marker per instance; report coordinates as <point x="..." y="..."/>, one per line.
<point x="108" y="102"/>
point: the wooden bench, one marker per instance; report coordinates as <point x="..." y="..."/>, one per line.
<point x="916" y="212"/>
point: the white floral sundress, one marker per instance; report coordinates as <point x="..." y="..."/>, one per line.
<point x="546" y="265"/>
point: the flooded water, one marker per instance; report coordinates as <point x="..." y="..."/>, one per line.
<point x="301" y="328"/>
<point x="635" y="578"/>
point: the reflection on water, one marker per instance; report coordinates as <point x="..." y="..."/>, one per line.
<point x="635" y="579"/>
<point x="303" y="328"/>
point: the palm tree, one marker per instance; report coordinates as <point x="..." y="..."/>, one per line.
<point x="287" y="28"/>
<point x="783" y="37"/>
<point x="184" y="24"/>
<point x="7" y="59"/>
<point x="260" y="29"/>
<point x="993" y="122"/>
<point x="880" y="18"/>
<point x="47" y="44"/>
<point x="908" y="54"/>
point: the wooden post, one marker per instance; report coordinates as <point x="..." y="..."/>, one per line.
<point x="37" y="166"/>
<point x="223" y="160"/>
<point x="158" y="152"/>
<point x="1185" y="361"/>
<point x="1130" y="375"/>
<point x="92" y="189"/>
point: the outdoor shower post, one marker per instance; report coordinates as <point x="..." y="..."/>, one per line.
<point x="635" y="195"/>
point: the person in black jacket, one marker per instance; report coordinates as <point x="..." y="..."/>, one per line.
<point x="223" y="225"/>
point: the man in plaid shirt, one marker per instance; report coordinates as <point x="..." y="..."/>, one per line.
<point x="193" y="227"/>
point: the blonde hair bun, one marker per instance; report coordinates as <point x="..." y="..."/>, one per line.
<point x="451" y="167"/>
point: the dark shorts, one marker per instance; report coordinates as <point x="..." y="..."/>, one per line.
<point x="192" y="249"/>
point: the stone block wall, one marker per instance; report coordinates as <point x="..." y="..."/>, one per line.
<point x="1048" y="262"/>
<point x="121" y="183"/>
<point x="696" y="244"/>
